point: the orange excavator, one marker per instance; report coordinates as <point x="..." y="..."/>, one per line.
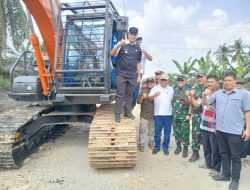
<point x="67" y="83"/>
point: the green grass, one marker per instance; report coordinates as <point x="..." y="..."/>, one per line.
<point x="4" y="84"/>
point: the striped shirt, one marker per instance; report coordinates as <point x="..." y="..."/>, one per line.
<point x="208" y="120"/>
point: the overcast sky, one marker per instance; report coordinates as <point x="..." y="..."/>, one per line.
<point x="179" y="29"/>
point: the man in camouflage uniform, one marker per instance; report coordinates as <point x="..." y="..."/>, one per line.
<point x="146" y="129"/>
<point x="181" y="116"/>
<point x="195" y="99"/>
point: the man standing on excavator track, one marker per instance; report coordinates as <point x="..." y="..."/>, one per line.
<point x="127" y="73"/>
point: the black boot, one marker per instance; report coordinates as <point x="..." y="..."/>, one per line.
<point x="220" y="177"/>
<point x="195" y="156"/>
<point x="234" y="185"/>
<point x="185" y="152"/>
<point x="178" y="148"/>
<point x="128" y="114"/>
<point x="117" y="117"/>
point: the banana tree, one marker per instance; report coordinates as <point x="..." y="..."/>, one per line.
<point x="205" y="63"/>
<point x="187" y="68"/>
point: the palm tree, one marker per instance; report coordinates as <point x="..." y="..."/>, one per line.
<point x="13" y="28"/>
<point x="238" y="50"/>
<point x="223" y="57"/>
<point x="2" y="34"/>
<point x="240" y="58"/>
<point x="246" y="64"/>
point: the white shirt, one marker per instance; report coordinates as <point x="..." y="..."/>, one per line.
<point x="163" y="102"/>
<point x="143" y="59"/>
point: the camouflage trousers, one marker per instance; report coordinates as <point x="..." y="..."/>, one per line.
<point x="146" y="132"/>
<point x="181" y="129"/>
<point x="196" y="132"/>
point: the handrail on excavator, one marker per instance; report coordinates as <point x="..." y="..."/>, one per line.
<point x="14" y="66"/>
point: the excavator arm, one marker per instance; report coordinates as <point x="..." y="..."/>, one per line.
<point x="42" y="12"/>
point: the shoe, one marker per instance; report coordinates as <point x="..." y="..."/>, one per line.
<point x="151" y="146"/>
<point x="178" y="148"/>
<point x="129" y="115"/>
<point x="204" y="166"/>
<point x="141" y="148"/>
<point x="166" y="152"/>
<point x="213" y="172"/>
<point x="117" y="117"/>
<point x="220" y="178"/>
<point x="185" y="152"/>
<point x="155" y="151"/>
<point x="195" y="156"/>
<point x="234" y="185"/>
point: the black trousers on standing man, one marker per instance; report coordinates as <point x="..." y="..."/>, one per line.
<point x="230" y="148"/>
<point x="211" y="150"/>
<point x="125" y="89"/>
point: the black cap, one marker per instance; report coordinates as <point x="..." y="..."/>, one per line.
<point x="133" y="30"/>
<point x="139" y="39"/>
<point x="181" y="77"/>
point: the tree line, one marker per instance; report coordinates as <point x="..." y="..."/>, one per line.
<point x="235" y="57"/>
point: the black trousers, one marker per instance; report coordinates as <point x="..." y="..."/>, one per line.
<point x="211" y="150"/>
<point x="230" y="147"/>
<point x="125" y="89"/>
<point x="245" y="149"/>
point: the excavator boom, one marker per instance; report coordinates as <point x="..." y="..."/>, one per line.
<point x="41" y="11"/>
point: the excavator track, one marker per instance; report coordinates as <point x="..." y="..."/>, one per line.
<point x="112" y="145"/>
<point x="11" y="122"/>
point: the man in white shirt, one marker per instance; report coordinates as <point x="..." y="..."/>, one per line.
<point x="162" y="95"/>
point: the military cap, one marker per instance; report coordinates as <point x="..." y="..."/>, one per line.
<point x="200" y="75"/>
<point x="181" y="77"/>
<point x="240" y="82"/>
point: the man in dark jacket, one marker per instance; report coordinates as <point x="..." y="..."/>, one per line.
<point x="127" y="73"/>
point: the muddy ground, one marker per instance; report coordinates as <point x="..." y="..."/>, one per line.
<point x="63" y="164"/>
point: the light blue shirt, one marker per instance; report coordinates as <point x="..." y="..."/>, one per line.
<point x="230" y="110"/>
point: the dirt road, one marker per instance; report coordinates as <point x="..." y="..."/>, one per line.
<point x="63" y="164"/>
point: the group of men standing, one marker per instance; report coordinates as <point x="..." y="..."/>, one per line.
<point x="217" y="116"/>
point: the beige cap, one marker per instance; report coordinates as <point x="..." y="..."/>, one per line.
<point x="165" y="76"/>
<point x="159" y="72"/>
<point x="150" y="79"/>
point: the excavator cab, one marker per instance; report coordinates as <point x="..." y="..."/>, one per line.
<point x="83" y="68"/>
